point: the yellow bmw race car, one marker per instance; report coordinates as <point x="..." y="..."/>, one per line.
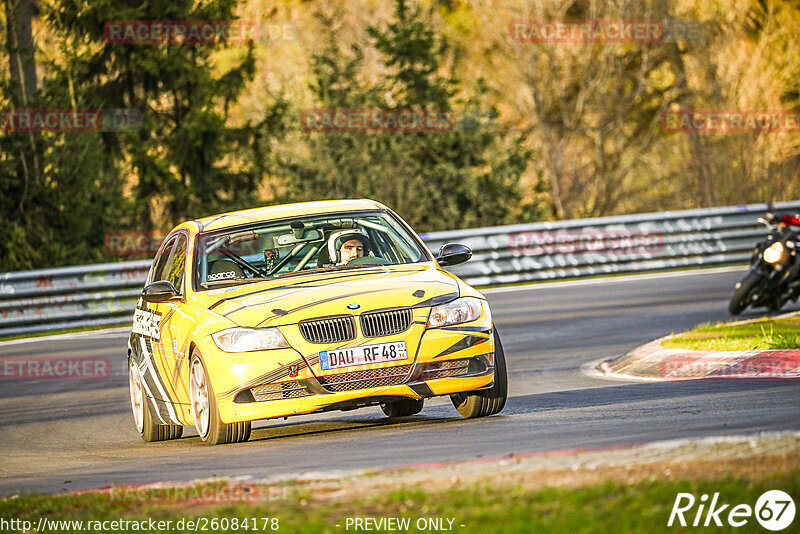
<point x="305" y="308"/>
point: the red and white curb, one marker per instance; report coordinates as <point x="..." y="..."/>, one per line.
<point x="653" y="361"/>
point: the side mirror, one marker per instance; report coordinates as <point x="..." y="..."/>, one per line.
<point x="160" y="291"/>
<point x="453" y="254"/>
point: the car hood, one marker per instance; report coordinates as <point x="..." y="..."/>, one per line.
<point x="291" y="299"/>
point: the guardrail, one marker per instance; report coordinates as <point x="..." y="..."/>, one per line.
<point x="93" y="295"/>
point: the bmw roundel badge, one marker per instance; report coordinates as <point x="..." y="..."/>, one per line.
<point x="353" y="306"/>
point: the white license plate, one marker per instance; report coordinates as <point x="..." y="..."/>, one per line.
<point x="380" y="353"/>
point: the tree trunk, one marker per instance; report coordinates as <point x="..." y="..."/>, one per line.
<point x="554" y="155"/>
<point x="22" y="66"/>
<point x="700" y="164"/>
<point x="20" y="46"/>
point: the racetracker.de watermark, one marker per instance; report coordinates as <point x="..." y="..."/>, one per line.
<point x="69" y="120"/>
<point x="760" y="366"/>
<point x="377" y="120"/>
<point x="710" y="121"/>
<point x="604" y="31"/>
<point x="55" y="368"/>
<point x="207" y="32"/>
<point x="138" y="243"/>
<point x="132" y="243"/>
<point x="185" y="494"/>
<point x="584" y="241"/>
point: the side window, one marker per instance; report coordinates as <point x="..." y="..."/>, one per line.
<point x="157" y="271"/>
<point x="177" y="264"/>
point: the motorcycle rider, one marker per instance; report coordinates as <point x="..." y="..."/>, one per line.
<point x="774" y="275"/>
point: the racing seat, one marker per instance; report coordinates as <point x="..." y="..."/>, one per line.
<point x="225" y="266"/>
<point x="324" y="258"/>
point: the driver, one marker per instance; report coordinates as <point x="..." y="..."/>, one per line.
<point x="351" y="249"/>
<point x="347" y="245"/>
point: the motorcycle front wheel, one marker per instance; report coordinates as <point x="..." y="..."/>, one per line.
<point x="742" y="294"/>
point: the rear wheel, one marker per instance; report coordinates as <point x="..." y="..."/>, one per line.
<point x="402" y="408"/>
<point x="205" y="411"/>
<point x="148" y="429"/>
<point x="489" y="401"/>
<point x="742" y="294"/>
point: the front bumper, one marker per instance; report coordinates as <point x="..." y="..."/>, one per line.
<point x="283" y="382"/>
<point x="248" y="411"/>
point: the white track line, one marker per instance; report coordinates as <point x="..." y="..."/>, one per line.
<point x="107" y="332"/>
<point x="613" y="279"/>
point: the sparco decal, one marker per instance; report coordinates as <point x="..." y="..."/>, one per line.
<point x="221" y="276"/>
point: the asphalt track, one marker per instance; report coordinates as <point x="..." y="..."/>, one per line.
<point x="71" y="435"/>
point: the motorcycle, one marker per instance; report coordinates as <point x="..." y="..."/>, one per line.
<point x="774" y="275"/>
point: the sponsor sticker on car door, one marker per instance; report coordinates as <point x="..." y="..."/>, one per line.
<point x="145" y="323"/>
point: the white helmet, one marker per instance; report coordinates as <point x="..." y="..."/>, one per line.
<point x="337" y="238"/>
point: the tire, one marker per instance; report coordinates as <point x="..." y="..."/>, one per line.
<point x="775" y="304"/>
<point x="741" y="295"/>
<point x="490" y="401"/>
<point x="205" y="412"/>
<point x="148" y="429"/>
<point x="402" y="408"/>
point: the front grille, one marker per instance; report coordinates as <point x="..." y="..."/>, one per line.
<point x="281" y="390"/>
<point x="329" y="329"/>
<point x="368" y="378"/>
<point x="445" y="369"/>
<point x="385" y="323"/>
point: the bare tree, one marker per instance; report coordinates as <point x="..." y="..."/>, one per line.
<point x="21" y="50"/>
<point x="595" y="106"/>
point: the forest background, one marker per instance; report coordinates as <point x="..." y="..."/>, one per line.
<point x="546" y="130"/>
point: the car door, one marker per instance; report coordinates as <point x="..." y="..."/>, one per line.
<point x="175" y="328"/>
<point x="152" y="339"/>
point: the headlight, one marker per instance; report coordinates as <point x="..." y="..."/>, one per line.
<point x="249" y="339"/>
<point x="774" y="253"/>
<point x="460" y="310"/>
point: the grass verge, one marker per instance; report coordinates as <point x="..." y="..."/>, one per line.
<point x="642" y="506"/>
<point x="770" y="334"/>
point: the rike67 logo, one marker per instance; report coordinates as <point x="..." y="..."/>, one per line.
<point x="774" y="510"/>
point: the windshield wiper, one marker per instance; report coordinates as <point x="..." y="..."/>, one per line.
<point x="237" y="280"/>
<point x="331" y="269"/>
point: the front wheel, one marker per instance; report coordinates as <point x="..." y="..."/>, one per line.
<point x="775" y="304"/>
<point x="205" y="410"/>
<point x="489" y="401"/>
<point x="402" y="408"/>
<point x="742" y="294"/>
<point x="148" y="429"/>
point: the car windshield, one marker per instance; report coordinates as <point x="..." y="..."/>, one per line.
<point x="315" y="243"/>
